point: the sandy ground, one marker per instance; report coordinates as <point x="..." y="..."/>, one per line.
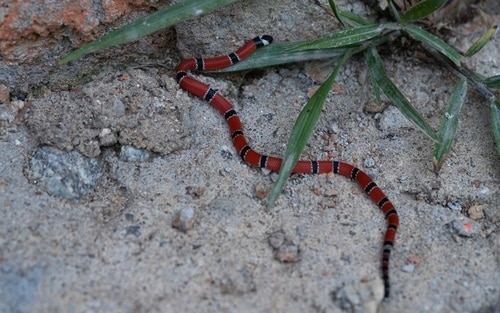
<point x="86" y="219"/>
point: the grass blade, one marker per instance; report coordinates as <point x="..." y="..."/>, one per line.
<point x="348" y="37"/>
<point x="353" y="17"/>
<point x="394" y="11"/>
<point x="378" y="74"/>
<point x="421" y="10"/>
<point x="281" y="53"/>
<point x="493" y="82"/>
<point x="449" y="124"/>
<point x="495" y="121"/>
<point x="421" y="35"/>
<point x="144" y="26"/>
<point x="302" y="130"/>
<point x="481" y="42"/>
<point x="336" y="13"/>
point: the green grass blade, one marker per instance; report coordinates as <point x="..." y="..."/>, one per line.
<point x="481" y="42"/>
<point x="353" y="17"/>
<point x="336" y="13"/>
<point x="394" y="11"/>
<point x="495" y="121"/>
<point x="421" y="35"/>
<point x="378" y="74"/>
<point x="281" y="53"/>
<point x="302" y="130"/>
<point x="493" y="82"/>
<point x="348" y="37"/>
<point x="421" y="10"/>
<point x="144" y="26"/>
<point x="376" y="91"/>
<point x="449" y="124"/>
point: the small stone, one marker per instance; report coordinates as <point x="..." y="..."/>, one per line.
<point x="68" y="175"/>
<point x="393" y="120"/>
<point x="261" y="191"/>
<point x="364" y="297"/>
<point x="369" y="162"/>
<point x="195" y="192"/>
<point x="277" y="239"/>
<point x="465" y="227"/>
<point x="455" y="206"/>
<point x="184" y="219"/>
<point x="133" y="230"/>
<point x="414" y="260"/>
<point x="374" y="107"/>
<point x="288" y="254"/>
<point x="107" y="137"/>
<point x="476" y="212"/>
<point x="132" y="154"/>
<point x="265" y="171"/>
<point x="408" y="268"/>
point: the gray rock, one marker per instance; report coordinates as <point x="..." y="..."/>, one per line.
<point x="68" y="175"/>
<point x="132" y="154"/>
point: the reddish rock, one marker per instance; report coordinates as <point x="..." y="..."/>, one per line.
<point x="29" y="29"/>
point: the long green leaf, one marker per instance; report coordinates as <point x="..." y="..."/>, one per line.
<point x="378" y="73"/>
<point x="493" y="82"/>
<point x="144" y="26"/>
<point x="449" y="124"/>
<point x="302" y="130"/>
<point x="336" y="13"/>
<point x="433" y="41"/>
<point x="495" y="121"/>
<point x="353" y="17"/>
<point x="481" y="42"/>
<point x="281" y="53"/>
<point x="394" y="11"/>
<point x="348" y="37"/>
<point x="421" y="10"/>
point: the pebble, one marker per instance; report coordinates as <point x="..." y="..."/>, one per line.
<point x="132" y="154"/>
<point x="277" y="239"/>
<point x="284" y="250"/>
<point x="261" y="191"/>
<point x="134" y="230"/>
<point x="288" y="253"/>
<point x="68" y="175"/>
<point x="464" y="227"/>
<point x="369" y="162"/>
<point x="392" y="119"/>
<point x="476" y="212"/>
<point x="455" y="206"/>
<point x="408" y="268"/>
<point x="362" y="297"/>
<point x="184" y="219"/>
<point x="107" y="137"/>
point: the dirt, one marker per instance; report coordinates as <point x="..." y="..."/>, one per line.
<point x="114" y="249"/>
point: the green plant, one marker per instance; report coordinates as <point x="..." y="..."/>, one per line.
<point x="358" y="36"/>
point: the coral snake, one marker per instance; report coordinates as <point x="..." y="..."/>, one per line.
<point x="256" y="159"/>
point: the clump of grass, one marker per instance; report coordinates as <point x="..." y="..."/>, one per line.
<point x="358" y="36"/>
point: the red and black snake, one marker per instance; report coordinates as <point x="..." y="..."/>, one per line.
<point x="256" y="159"/>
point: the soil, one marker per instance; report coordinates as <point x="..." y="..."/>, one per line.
<point x="100" y="159"/>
